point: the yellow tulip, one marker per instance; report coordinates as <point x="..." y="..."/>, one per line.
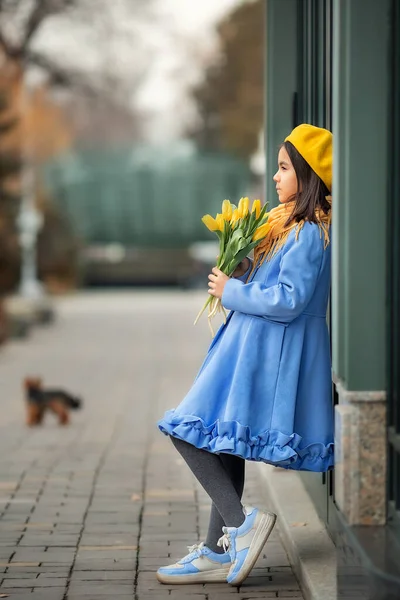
<point x="243" y="207"/>
<point x="220" y="221"/>
<point x="261" y="232"/>
<point x="256" y="207"/>
<point x="210" y="223"/>
<point x="235" y="216"/>
<point x="227" y="210"/>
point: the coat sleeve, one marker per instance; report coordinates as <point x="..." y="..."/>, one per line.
<point x="299" y="269"/>
<point x="245" y="275"/>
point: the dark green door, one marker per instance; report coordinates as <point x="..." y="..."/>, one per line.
<point x="313" y="104"/>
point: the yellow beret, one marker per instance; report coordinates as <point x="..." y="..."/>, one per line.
<point x="315" y="146"/>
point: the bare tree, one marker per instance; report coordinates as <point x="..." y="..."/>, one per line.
<point x="97" y="47"/>
<point x="20" y="20"/>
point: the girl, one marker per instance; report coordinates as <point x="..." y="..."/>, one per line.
<point x="263" y="392"/>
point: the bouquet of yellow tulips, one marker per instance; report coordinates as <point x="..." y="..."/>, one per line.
<point x="239" y="231"/>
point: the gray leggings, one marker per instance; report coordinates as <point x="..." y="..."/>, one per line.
<point x="222" y="477"/>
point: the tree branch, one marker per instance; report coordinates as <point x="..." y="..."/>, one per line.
<point x="41" y="10"/>
<point x="59" y="76"/>
<point x="7" y="48"/>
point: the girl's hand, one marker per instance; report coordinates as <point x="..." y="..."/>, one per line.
<point x="216" y="283"/>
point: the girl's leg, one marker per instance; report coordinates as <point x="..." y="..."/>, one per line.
<point x="235" y="467"/>
<point x="211" y="473"/>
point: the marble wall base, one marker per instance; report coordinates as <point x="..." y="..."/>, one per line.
<point x="360" y="446"/>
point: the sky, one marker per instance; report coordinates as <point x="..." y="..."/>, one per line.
<point x="165" y="95"/>
<point x="166" y="54"/>
<point x="200" y="15"/>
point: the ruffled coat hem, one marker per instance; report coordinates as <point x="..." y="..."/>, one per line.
<point x="230" y="437"/>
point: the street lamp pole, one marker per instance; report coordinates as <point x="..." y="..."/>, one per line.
<point x="33" y="299"/>
<point x="29" y="223"/>
<point x="29" y="220"/>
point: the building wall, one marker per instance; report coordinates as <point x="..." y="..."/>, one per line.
<point x="361" y="38"/>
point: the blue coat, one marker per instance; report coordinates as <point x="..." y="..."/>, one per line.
<point x="264" y="391"/>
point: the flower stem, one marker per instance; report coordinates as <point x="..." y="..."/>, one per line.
<point x="203" y="309"/>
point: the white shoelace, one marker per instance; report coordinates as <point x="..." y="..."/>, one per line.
<point x="197" y="549"/>
<point x="225" y="541"/>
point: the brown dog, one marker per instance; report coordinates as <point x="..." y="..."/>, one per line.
<point x="39" y="400"/>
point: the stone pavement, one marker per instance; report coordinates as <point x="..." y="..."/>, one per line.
<point x="91" y="510"/>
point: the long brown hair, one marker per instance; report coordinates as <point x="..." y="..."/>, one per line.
<point x="311" y="190"/>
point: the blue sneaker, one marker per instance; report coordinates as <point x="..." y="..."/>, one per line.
<point x="201" y="565"/>
<point x="245" y="543"/>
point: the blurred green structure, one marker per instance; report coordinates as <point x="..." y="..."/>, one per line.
<point x="143" y="207"/>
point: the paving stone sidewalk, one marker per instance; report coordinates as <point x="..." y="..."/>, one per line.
<point x="90" y="511"/>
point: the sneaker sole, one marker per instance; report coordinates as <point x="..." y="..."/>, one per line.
<point x="263" y="531"/>
<point x="215" y="576"/>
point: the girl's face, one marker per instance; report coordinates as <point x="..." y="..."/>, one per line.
<point x="285" y="177"/>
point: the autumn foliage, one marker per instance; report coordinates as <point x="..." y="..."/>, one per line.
<point x="230" y="99"/>
<point x="33" y="125"/>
